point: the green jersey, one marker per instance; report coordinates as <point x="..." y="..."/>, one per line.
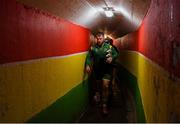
<point x="97" y="54"/>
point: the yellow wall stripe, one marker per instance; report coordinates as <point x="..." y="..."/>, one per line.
<point x="160" y="93"/>
<point x="28" y="87"/>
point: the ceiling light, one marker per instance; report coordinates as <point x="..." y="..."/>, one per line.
<point x="108" y="11"/>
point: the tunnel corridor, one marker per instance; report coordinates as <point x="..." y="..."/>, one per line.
<point x="43" y="48"/>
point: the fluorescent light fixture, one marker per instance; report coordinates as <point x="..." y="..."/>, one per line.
<point x="108" y="11"/>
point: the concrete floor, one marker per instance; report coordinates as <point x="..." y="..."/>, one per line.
<point x="121" y="110"/>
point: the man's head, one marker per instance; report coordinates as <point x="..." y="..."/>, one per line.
<point x="100" y="38"/>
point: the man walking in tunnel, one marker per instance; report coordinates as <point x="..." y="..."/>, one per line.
<point x="98" y="61"/>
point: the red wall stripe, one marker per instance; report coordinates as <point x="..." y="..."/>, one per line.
<point x="129" y="41"/>
<point x="158" y="34"/>
<point x="28" y="33"/>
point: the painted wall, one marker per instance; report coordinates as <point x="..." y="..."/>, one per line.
<point x="41" y="60"/>
<point x="155" y="61"/>
<point x="159" y="33"/>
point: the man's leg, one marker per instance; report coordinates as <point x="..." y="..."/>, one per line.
<point x="105" y="94"/>
<point x="97" y="91"/>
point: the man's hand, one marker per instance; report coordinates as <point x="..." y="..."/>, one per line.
<point x="109" y="60"/>
<point x="88" y="69"/>
<point x="109" y="57"/>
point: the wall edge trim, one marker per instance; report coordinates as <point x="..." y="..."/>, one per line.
<point x="40" y="59"/>
<point x="165" y="72"/>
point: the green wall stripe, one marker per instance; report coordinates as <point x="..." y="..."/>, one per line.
<point x="67" y="108"/>
<point x="131" y="82"/>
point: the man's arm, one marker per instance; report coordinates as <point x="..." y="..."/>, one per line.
<point x="88" y="62"/>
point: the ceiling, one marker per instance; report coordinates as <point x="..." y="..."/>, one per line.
<point x="128" y="14"/>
